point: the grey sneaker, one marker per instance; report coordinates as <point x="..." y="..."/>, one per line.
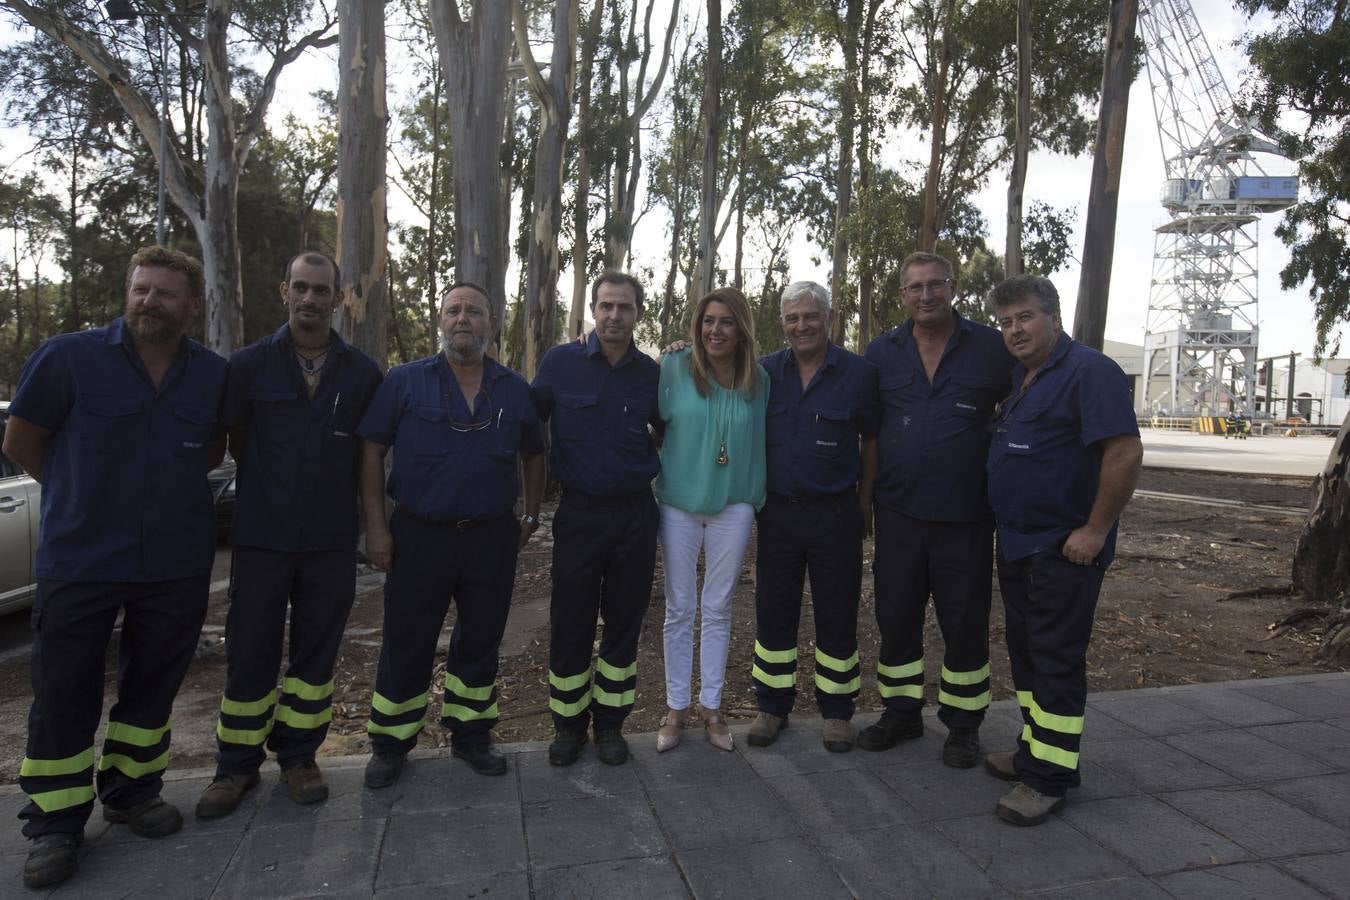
<point x="764" y="730"/>
<point x="837" y="735"/>
<point x="1000" y="765"/>
<point x="1027" y="806"/>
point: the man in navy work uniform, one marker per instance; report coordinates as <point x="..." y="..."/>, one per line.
<point x="1062" y="466"/>
<point x="457" y="422"/>
<point x="119" y="424"/>
<point x="820" y="432"/>
<point x="599" y="398"/>
<point x="941" y="375"/>
<point x="292" y="403"/>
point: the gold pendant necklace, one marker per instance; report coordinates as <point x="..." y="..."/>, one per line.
<point x="722" y="453"/>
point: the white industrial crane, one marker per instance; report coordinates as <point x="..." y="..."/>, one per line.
<point x="1202" y="326"/>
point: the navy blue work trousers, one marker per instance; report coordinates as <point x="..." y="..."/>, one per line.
<point x="73" y="623"/>
<point x="820" y="538"/>
<point x="1049" y="604"/>
<point x="318" y="589"/>
<point x="604" y="554"/>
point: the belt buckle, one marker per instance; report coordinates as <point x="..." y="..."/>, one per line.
<point x="462" y="524"/>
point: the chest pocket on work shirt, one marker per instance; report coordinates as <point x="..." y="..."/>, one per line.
<point x="778" y="424"/>
<point x="636" y="438"/>
<point x="108" y="423"/>
<point x="192" y="429"/>
<point x="576" y="417"/>
<point x="896" y="388"/>
<point x="273" y="414"/>
<point x="504" y="435"/>
<point x="973" y="398"/>
<point x="428" y="431"/>
<point x="832" y="432"/>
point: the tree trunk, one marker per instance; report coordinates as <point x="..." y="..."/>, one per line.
<point x="581" y="238"/>
<point x="555" y="111"/>
<point x="867" y="264"/>
<point x="1321" y="570"/>
<point x="362" y="221"/>
<point x="1094" y="284"/>
<point x="218" y="231"/>
<point x="937" y="139"/>
<point x="707" y="211"/>
<point x="843" y="178"/>
<point x="473" y="56"/>
<point x="1012" y="250"/>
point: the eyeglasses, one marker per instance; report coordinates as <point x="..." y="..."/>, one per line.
<point x="930" y="287"/>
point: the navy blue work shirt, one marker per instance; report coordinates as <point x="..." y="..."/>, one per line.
<point x="450" y="464"/>
<point x="1045" y="460"/>
<point x="124" y="490"/>
<point x="812" y="436"/>
<point x="598" y="416"/>
<point x="934" y="437"/>
<point x="297" y="482"/>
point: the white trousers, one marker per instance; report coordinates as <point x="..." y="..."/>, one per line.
<point x="723" y="538"/>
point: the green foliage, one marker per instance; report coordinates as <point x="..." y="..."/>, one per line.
<point x="1047" y="238"/>
<point x="1296" y="64"/>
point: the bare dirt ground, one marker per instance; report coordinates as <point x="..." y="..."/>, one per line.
<point x="1165" y="617"/>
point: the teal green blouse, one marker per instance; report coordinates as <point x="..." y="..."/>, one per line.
<point x="691" y="479"/>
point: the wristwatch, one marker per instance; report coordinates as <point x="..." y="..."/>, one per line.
<point x="532" y="521"/>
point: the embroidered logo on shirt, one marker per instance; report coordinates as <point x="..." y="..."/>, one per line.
<point x="1019" y="446"/>
<point x="827" y="443"/>
<point x="960" y="405"/>
<point x="193" y="444"/>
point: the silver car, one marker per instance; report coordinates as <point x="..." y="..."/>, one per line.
<point x="20" y="499"/>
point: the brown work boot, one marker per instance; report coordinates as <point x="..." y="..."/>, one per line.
<point x="223" y="794"/>
<point x="153" y="818"/>
<point x="1000" y="764"/>
<point x="837" y="735"/>
<point x="1025" y="805"/>
<point x="764" y="730"/>
<point x="304" y="782"/>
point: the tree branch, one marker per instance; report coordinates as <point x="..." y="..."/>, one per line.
<point x="252" y="123"/>
<point x="538" y="86"/>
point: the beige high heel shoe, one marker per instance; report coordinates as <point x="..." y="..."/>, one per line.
<point x="668" y="735"/>
<point x="718" y="733"/>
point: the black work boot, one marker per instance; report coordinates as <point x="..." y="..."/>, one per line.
<point x="566" y="747"/>
<point x="485" y="760"/>
<point x="889" y="730"/>
<point x="610" y="746"/>
<point x="962" y="748"/>
<point x="384" y="769"/>
<point x="52" y="859"/>
<point x="153" y="818"/>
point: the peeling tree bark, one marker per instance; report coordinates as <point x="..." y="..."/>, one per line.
<point x="581" y="240"/>
<point x="843" y="177"/>
<point x="362" y="220"/>
<point x="1012" y="248"/>
<point x="1322" y="554"/>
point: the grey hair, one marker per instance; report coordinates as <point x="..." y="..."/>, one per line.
<point x="1018" y="287"/>
<point x="798" y="289"/>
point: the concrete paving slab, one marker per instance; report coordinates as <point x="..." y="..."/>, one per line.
<point x="1246" y="756"/>
<point x="427" y="847"/>
<point x="1328" y="872"/>
<point x="1234" y="708"/>
<point x="906" y="861"/>
<point x="1325" y="796"/>
<point x="1150" y="713"/>
<point x="1318" y="740"/>
<point x="1153" y="766"/>
<point x="798" y="750"/>
<point x="1262" y="823"/>
<point x="1111" y="889"/>
<point x="831" y="802"/>
<point x="347" y="799"/>
<point x="304" y="860"/>
<point x="440" y="783"/>
<point x="693" y="763"/>
<point x="726" y="814"/>
<point x="172" y="867"/>
<point x="1316" y="700"/>
<point x="1150" y="836"/>
<point x="1048" y="856"/>
<point x="772" y="870"/>
<point x="1099" y="727"/>
<point x="653" y="878"/>
<point x="939" y="792"/>
<point x="1099" y="781"/>
<point x="1245" y="881"/>
<point x="508" y="886"/>
<point x="564" y="833"/>
<point x="587" y="777"/>
<point x="1340" y="723"/>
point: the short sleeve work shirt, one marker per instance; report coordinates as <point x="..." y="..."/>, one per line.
<point x="934" y="437"/>
<point x="812" y="436"/>
<point x="124" y="490"/>
<point x="296" y="488"/>
<point x="1045" y="459"/>
<point x="598" y="417"/>
<point x="451" y="464"/>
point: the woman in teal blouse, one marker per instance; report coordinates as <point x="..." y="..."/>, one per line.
<point x="712" y="399"/>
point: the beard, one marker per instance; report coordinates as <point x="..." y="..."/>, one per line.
<point x="152" y="328"/>
<point x="464" y="347"/>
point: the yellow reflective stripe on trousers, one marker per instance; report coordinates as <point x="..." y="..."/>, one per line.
<point x="1054" y="721"/>
<point x="1024" y="699"/>
<point x="306" y="691"/>
<point x="974" y="677"/>
<point x="401" y="732"/>
<point x="775" y="656"/>
<point x="252" y="738"/>
<point x="55" y="801"/>
<point x="570" y="683"/>
<point x="1051" y="754"/>
<point x="831" y="662"/>
<point x="138" y="737"/>
<point x="460" y="689"/>
<point x="978" y="702"/>
<point x="247" y="708"/>
<point x="614" y="673"/>
<point x="570" y="710"/>
<point x="901" y="690"/>
<point x="464" y="714"/>
<point x="133" y="768"/>
<point x="826" y="686"/>
<point x="36" y="768"/>
<point x="304" y="720"/>
<point x="773" y="681"/>
<point x="908" y="670"/>
<point x="390" y="708"/>
<point x="609" y="698"/>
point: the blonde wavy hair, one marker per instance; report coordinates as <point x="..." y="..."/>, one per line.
<point x="747" y="358"/>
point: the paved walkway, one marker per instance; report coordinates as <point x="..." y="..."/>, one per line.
<point x="1227" y="790"/>
<point x="1270" y="455"/>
